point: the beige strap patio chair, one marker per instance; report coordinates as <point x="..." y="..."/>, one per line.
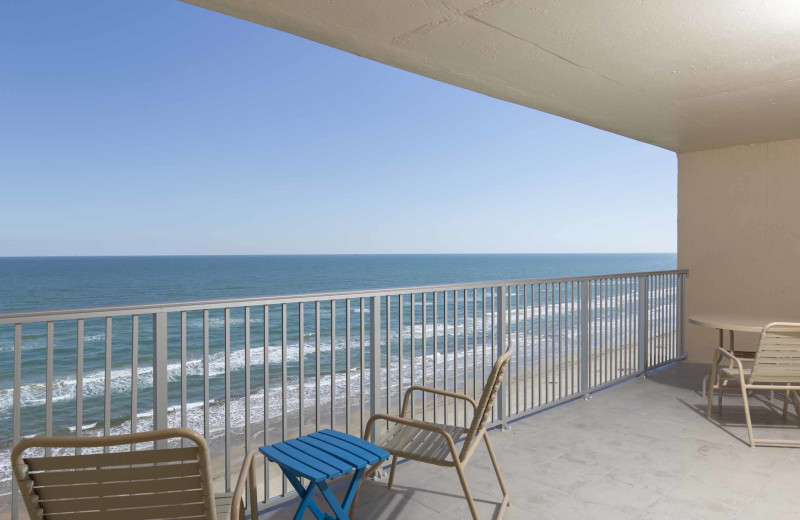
<point x="776" y="367"/>
<point x="158" y="483"/>
<point x="435" y="443"/>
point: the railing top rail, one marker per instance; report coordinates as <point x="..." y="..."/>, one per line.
<point x="127" y="310"/>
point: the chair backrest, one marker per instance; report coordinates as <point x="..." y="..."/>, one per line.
<point x="484" y="409"/>
<point x="146" y="484"/>
<point x="778" y="355"/>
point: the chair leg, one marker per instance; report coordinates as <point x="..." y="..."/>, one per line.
<point x="712" y="380"/>
<point x="372" y="469"/>
<point x="391" y="473"/>
<point x="786" y="406"/>
<point x="747" y="417"/>
<point x="465" y="486"/>
<point x="722" y="384"/>
<point x="506" y="498"/>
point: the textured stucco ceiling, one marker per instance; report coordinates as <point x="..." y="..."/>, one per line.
<point x="683" y="75"/>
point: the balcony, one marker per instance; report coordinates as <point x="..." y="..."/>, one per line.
<point x="598" y="416"/>
<point x="101" y="371"/>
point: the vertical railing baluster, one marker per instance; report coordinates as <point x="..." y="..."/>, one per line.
<point x="160" y="367"/>
<point x="363" y="360"/>
<point x="682" y="317"/>
<point x="246" y="393"/>
<point x="466" y="348"/>
<point x="16" y="412"/>
<point x="301" y="371"/>
<point x="663" y="321"/>
<point x="673" y="315"/>
<point x="107" y="382"/>
<point x="389" y="355"/>
<point x="574" y="367"/>
<point x="508" y="385"/>
<point x="557" y="330"/>
<point x="435" y="353"/>
<point x="474" y="343"/>
<point x="79" y="382"/>
<point x="539" y="314"/>
<point x="609" y="321"/>
<point x="501" y="342"/>
<point x="333" y="364"/>
<point x="455" y="355"/>
<point x="623" y="323"/>
<point x="583" y="354"/>
<point x="660" y="319"/>
<point x="516" y="349"/>
<point x="206" y="389"/>
<point x="134" y="371"/>
<point x="669" y="326"/>
<point x="374" y="358"/>
<point x="266" y="426"/>
<point x="444" y="352"/>
<point x="664" y="317"/>
<point x="547" y="344"/>
<point x="643" y="325"/>
<point x="347" y="346"/>
<point x="363" y="343"/>
<point x="183" y="373"/>
<point x="631" y="312"/>
<point x="615" y="332"/>
<point x="48" y="392"/>
<point x="317" y="393"/>
<point x="425" y="354"/>
<point x="483" y="337"/>
<point x="604" y="323"/>
<point x="227" y="324"/>
<point x="399" y="352"/>
<point x="525" y="346"/>
<point x="284" y="377"/>
<point x="413" y="363"/>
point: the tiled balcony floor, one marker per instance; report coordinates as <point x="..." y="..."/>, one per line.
<point x="640" y="450"/>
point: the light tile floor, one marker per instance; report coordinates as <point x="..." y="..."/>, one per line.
<point x="639" y="450"/>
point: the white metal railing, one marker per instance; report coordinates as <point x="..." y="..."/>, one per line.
<point x="332" y="359"/>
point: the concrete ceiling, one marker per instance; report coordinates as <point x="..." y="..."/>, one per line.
<point x="681" y="74"/>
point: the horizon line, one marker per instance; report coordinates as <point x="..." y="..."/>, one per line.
<point x="330" y="254"/>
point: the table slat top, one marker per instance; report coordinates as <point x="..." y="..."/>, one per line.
<point x="324" y="455"/>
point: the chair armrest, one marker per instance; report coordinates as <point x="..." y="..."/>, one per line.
<point x="246" y="475"/>
<point x="410" y="422"/>
<point x="721" y="352"/>
<point x="429" y="390"/>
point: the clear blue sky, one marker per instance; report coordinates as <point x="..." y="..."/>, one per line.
<point x="156" y="127"/>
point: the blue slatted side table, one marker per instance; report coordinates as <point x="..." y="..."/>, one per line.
<point x="320" y="457"/>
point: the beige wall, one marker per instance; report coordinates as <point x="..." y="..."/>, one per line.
<point x="739" y="234"/>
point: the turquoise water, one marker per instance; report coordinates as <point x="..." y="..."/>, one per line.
<point x="46" y="283"/>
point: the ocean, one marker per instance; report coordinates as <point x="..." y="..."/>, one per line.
<point x="63" y="282"/>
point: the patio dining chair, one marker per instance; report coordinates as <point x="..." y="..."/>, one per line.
<point x="776" y="367"/>
<point x="436" y="443"/>
<point x="159" y="483"/>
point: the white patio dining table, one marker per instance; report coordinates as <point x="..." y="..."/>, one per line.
<point x="733" y="322"/>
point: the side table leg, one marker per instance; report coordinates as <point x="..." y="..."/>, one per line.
<point x="336" y="507"/>
<point x="307" y="495"/>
